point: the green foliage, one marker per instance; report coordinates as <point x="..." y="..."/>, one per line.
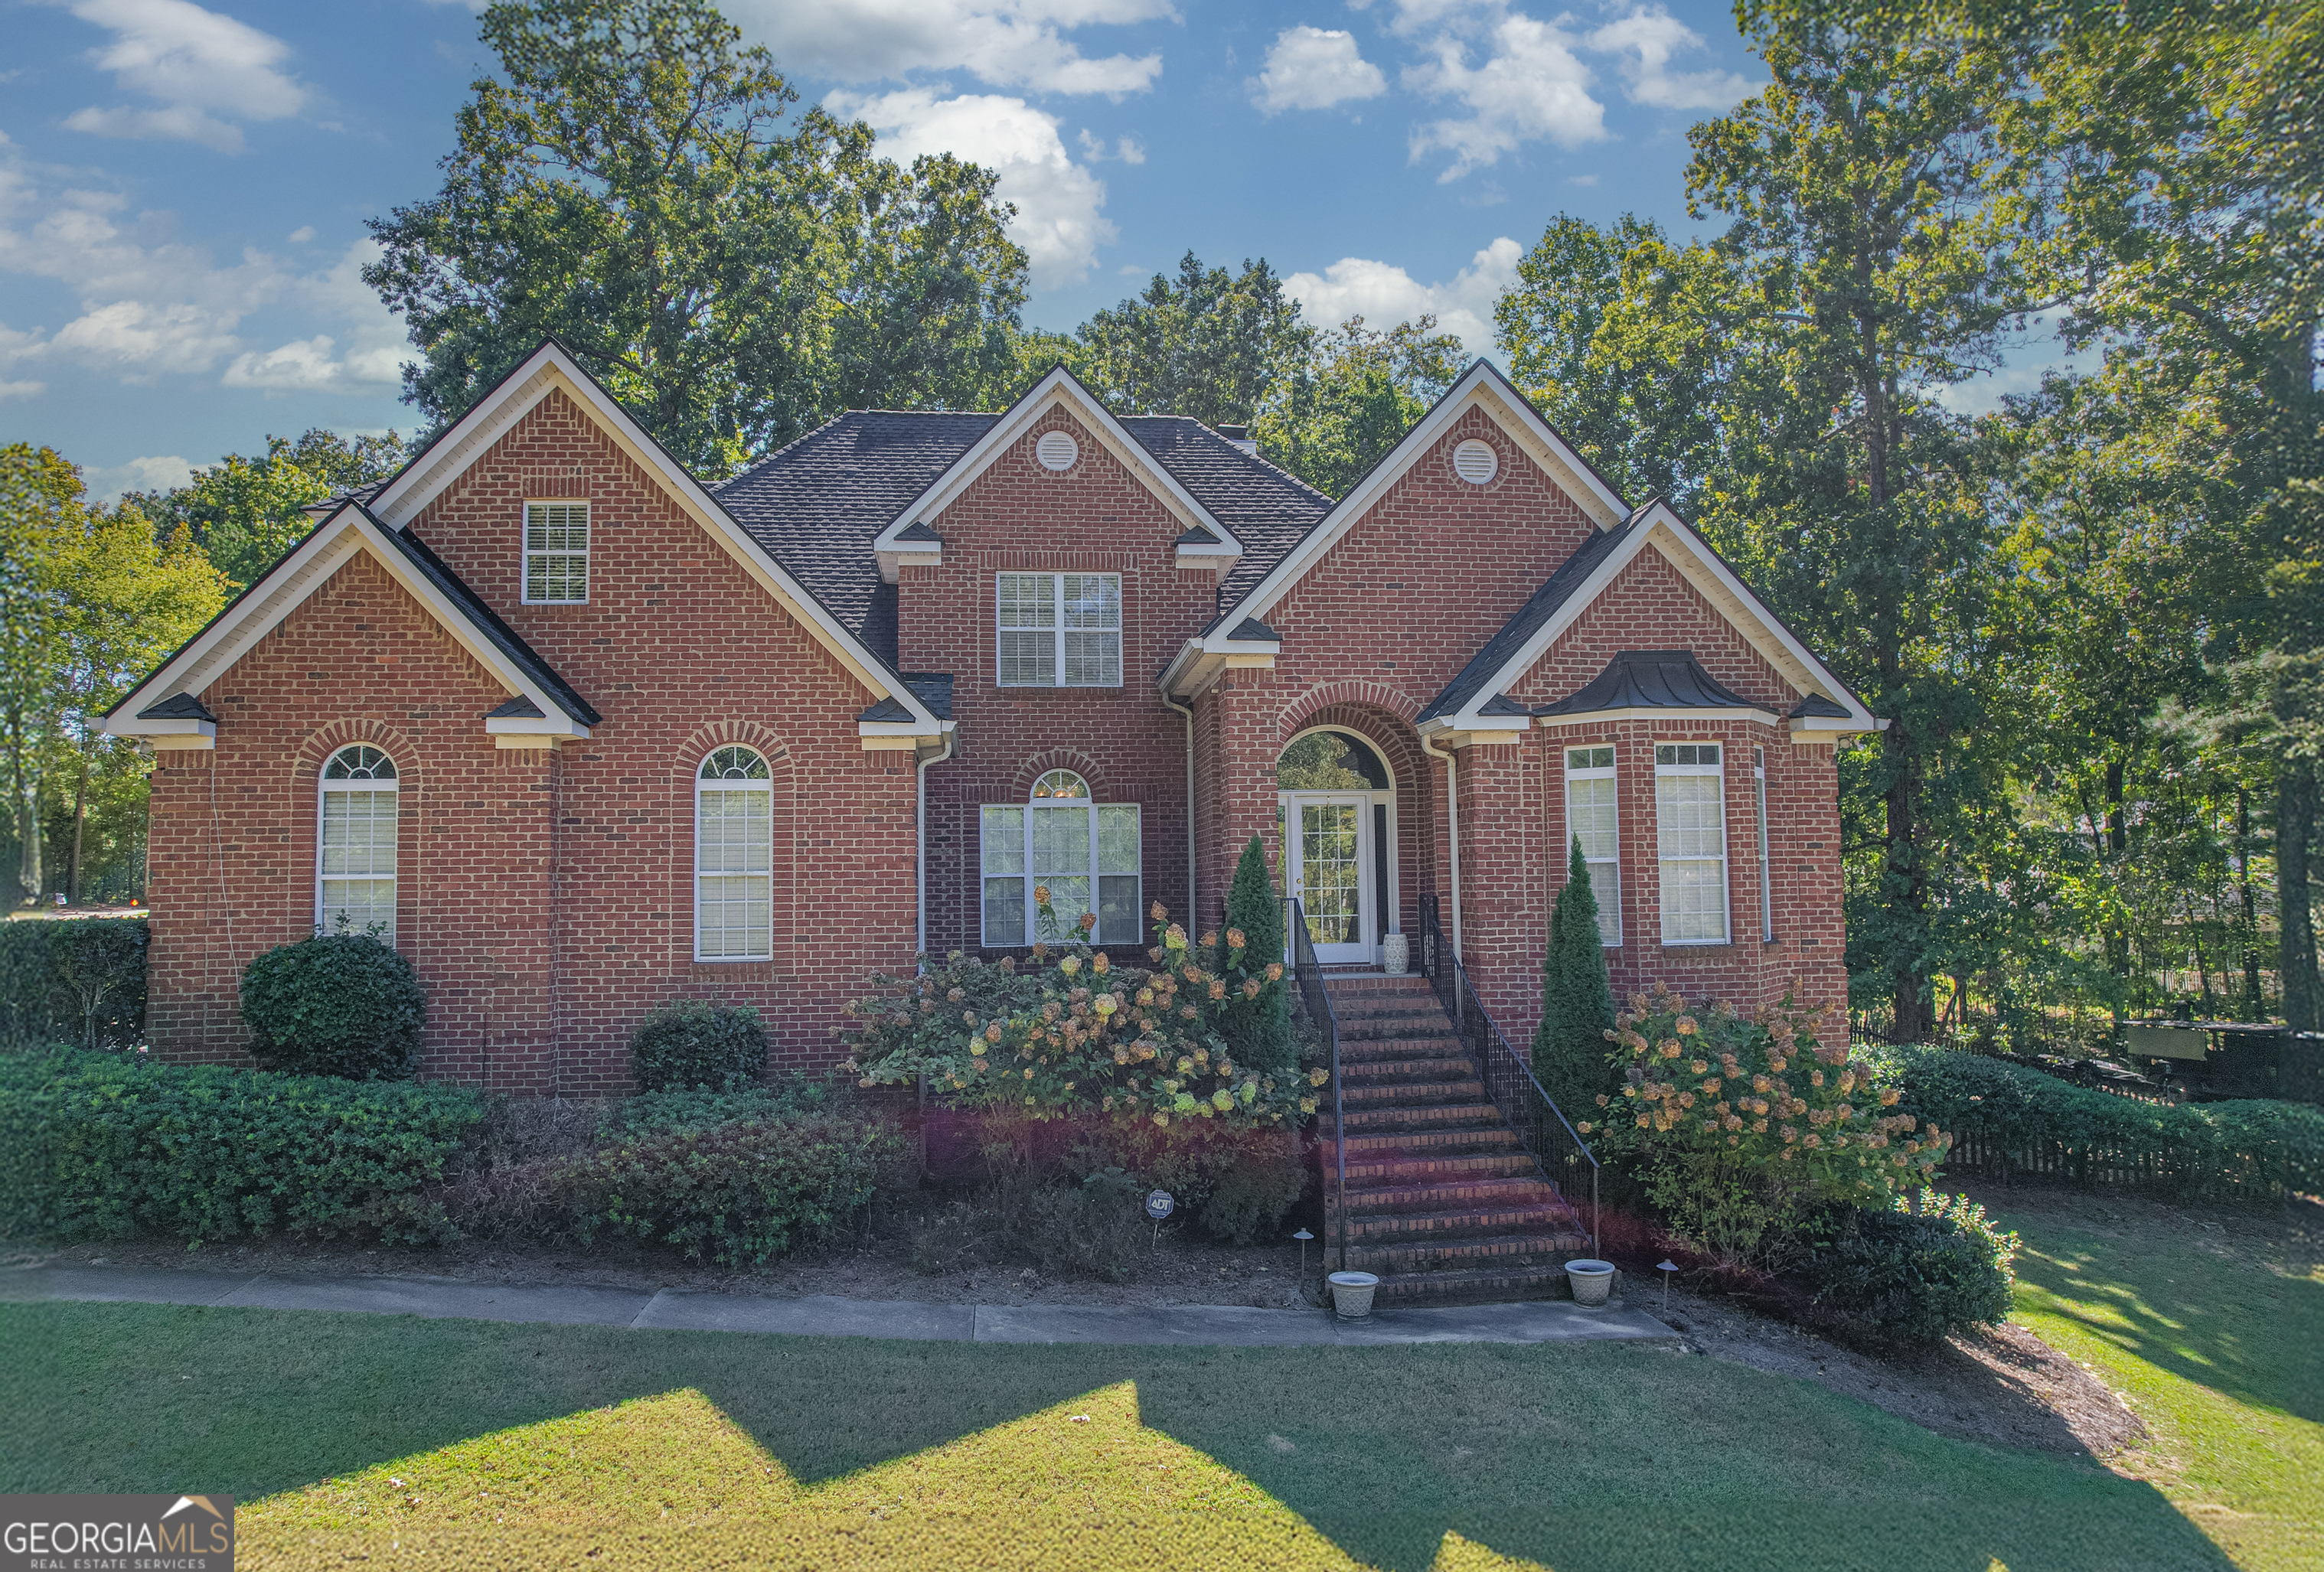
<point x="1095" y="1229"/>
<point x="1237" y="1182"/>
<point x="796" y="1096"/>
<point x="2015" y="1123"/>
<point x="1577" y="1002"/>
<point x="1255" y="1015"/>
<point x="625" y="183"/>
<point x="1350" y="397"/>
<point x="1916" y="1273"/>
<point x="248" y="513"/>
<point x="81" y="981"/>
<point x="739" y="1192"/>
<point x="695" y="1045"/>
<point x="1745" y="1129"/>
<point x="335" y="1003"/>
<point x="97" y="1145"/>
<point x="1208" y="343"/>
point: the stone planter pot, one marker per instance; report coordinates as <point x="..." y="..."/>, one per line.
<point x="1396" y="953"/>
<point x="1351" y="1294"/>
<point x="1591" y="1281"/>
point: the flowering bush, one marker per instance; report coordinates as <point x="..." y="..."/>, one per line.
<point x="1074" y="1033"/>
<point x="1744" y="1128"/>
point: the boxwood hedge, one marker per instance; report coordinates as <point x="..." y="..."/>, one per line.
<point x="77" y="979"/>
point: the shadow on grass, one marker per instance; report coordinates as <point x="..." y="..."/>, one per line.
<point x="1605" y="1457"/>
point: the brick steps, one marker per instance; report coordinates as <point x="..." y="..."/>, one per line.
<point x="1442" y="1200"/>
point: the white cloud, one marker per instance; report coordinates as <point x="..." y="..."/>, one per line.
<point x="302" y="235"/>
<point x="193" y="61"/>
<point x="1129" y="150"/>
<point x="22" y="389"/>
<point x="1531" y="86"/>
<point x="1384" y="294"/>
<point x="1310" y="68"/>
<point x="1011" y="43"/>
<point x="1649" y="35"/>
<point x="144" y="339"/>
<point x="1058" y="202"/>
<point x="106" y="482"/>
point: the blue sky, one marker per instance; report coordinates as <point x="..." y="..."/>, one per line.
<point x="183" y="186"/>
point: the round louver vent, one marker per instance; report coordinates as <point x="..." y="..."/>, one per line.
<point x="1475" y="462"/>
<point x="1056" y="450"/>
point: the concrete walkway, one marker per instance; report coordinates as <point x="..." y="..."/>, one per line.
<point x="827" y="1315"/>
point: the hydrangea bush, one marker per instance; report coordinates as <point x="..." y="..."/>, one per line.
<point x="1076" y="1034"/>
<point x="1745" y="1128"/>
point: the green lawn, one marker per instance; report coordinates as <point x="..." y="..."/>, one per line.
<point x="527" y="1445"/>
<point x="2213" y="1326"/>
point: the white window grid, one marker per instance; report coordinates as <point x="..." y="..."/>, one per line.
<point x="1057" y="629"/>
<point x="556" y="554"/>
<point x="1766" y="868"/>
<point x="1691" y="830"/>
<point x="356" y="822"/>
<point x="733" y="857"/>
<point x="1593" y="818"/>
<point x="1075" y="849"/>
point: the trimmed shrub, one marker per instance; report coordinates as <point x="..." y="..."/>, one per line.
<point x="2019" y="1125"/>
<point x="335" y="1003"/>
<point x="1577" y="1003"/>
<point x="1914" y="1274"/>
<point x="1096" y="1228"/>
<point x="79" y="981"/>
<point x="740" y="1192"/>
<point x="98" y="1145"/>
<point x="695" y="1045"/>
<point x="1236" y="1182"/>
<point x="1255" y="1017"/>
<point x="794" y="1096"/>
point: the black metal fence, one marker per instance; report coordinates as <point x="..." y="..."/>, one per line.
<point x="1315" y="1006"/>
<point x="1563" y="1158"/>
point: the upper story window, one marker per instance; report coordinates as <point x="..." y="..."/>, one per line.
<point x="1691" y="823"/>
<point x="733" y="856"/>
<point x="1085" y="855"/>
<point x="1592" y="819"/>
<point x="1058" y="629"/>
<point x="556" y="554"/>
<point x="354" y="845"/>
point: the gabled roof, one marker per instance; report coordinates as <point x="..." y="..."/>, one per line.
<point x="178" y="707"/>
<point x="1528" y="636"/>
<point x="1650" y="679"/>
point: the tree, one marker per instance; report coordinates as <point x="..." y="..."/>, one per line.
<point x="1577" y="1002"/>
<point x="1209" y="343"/>
<point x="247" y="513"/>
<point x="1257" y="1019"/>
<point x="626" y="185"/>
<point x="1351" y="398"/>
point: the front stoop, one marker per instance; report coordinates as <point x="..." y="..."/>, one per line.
<point x="1442" y="1203"/>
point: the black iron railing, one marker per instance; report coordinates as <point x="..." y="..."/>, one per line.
<point x="1315" y="1006"/>
<point x="1562" y="1156"/>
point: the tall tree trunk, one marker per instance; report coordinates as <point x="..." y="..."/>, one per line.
<point x="2254" y="1001"/>
<point x="2295" y="830"/>
<point x="80" y="819"/>
<point x="1915" y="1022"/>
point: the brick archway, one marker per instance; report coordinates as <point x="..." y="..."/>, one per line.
<point x="1383" y="718"/>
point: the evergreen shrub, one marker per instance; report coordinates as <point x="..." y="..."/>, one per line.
<point x="1577" y="1002"/>
<point x="695" y="1045"/>
<point x="1915" y="1274"/>
<point x="335" y="1003"/>
<point x="79" y="981"/>
<point x="1255" y="1017"/>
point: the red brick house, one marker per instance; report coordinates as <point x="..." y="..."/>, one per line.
<point x="584" y="735"/>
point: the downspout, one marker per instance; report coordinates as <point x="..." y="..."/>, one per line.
<point x="1452" y="801"/>
<point x="920" y="847"/>
<point x="1194" y="906"/>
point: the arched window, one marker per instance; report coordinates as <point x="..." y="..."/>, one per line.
<point x="355" y="846"/>
<point x="1086" y="854"/>
<point x="733" y="857"/>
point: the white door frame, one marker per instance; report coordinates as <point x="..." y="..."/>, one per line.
<point x="1366" y="949"/>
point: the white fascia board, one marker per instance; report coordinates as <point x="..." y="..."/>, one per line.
<point x="1483" y="388"/>
<point x="1058" y="388"/>
<point x="550" y="368"/>
<point x="917" y="554"/>
<point x="340" y="537"/>
<point x="1659" y="713"/>
<point x="1219" y="559"/>
<point x="1833" y="729"/>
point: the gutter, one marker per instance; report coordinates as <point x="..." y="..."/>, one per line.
<point x="921" y="845"/>
<point x="1193" y="905"/>
<point x="1452" y="801"/>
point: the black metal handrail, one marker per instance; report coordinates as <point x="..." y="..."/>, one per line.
<point x="1556" y="1149"/>
<point x="1315" y="1002"/>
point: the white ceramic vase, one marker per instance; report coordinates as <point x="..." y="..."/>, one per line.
<point x="1351" y="1294"/>
<point x="1396" y="953"/>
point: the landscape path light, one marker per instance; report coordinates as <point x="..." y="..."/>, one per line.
<point x="1302" y="1236"/>
<point x="1666" y="1268"/>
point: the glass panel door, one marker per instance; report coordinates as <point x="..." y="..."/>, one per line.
<point x="1329" y="874"/>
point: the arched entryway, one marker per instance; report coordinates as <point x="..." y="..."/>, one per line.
<point x="1337" y="802"/>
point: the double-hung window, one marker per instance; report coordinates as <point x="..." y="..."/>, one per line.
<point x="354" y="849"/>
<point x="1084" y="855"/>
<point x="1767" y="872"/>
<point x="1591" y="819"/>
<point x="733" y="858"/>
<point x="1058" y="629"/>
<point x="556" y="554"/>
<point x="1691" y="825"/>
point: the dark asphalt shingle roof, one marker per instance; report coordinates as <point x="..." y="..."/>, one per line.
<point x="178" y="707"/>
<point x="487" y="621"/>
<point x="817" y="505"/>
<point x="1503" y="647"/>
<point x="1817" y="705"/>
<point x="1649" y="679"/>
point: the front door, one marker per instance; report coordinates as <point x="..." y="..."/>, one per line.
<point x="1330" y="873"/>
